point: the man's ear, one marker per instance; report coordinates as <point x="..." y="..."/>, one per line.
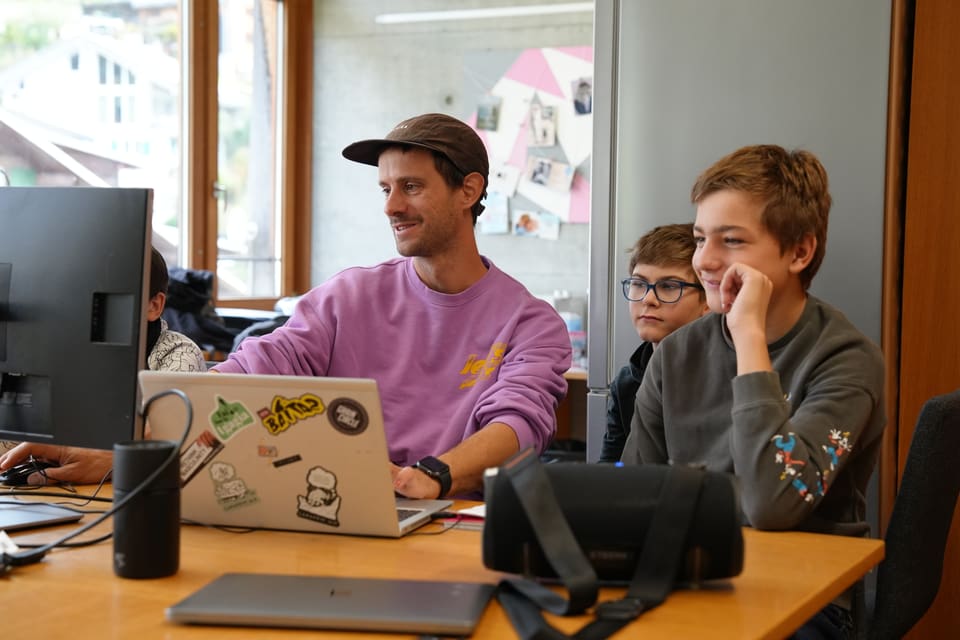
<point x="155" y="306"/>
<point x="802" y="253"/>
<point x="472" y="189"/>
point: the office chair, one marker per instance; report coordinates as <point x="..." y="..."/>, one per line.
<point x="909" y="576"/>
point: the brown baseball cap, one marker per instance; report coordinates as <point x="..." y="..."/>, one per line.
<point x="446" y="135"/>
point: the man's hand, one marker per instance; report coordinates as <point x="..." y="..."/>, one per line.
<point x="77" y="466"/>
<point x="413" y="483"/>
<point x="488" y="447"/>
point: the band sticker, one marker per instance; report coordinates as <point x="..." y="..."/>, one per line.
<point x="283" y="413"/>
<point x="322" y="503"/>
<point x="229" y="490"/>
<point x="348" y="416"/>
<point x="229" y="418"/>
<point x="197" y="454"/>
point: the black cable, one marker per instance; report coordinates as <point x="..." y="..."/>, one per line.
<point x="82" y="543"/>
<point x="222" y="527"/>
<point x="447" y="519"/>
<point x="35" y="555"/>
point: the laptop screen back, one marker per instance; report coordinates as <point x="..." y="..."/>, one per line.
<point x="279" y="452"/>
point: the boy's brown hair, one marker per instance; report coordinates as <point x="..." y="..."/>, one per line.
<point x="792" y="185"/>
<point x="669" y="245"/>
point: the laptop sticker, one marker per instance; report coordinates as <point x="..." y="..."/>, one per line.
<point x="282" y="462"/>
<point x="197" y="454"/>
<point x="283" y="413"/>
<point x="321" y="504"/>
<point x="229" y="418"/>
<point x="267" y="451"/>
<point x="348" y="416"/>
<point x="229" y="490"/>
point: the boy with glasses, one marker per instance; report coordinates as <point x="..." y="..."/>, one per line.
<point x="663" y="295"/>
<point x="777" y="386"/>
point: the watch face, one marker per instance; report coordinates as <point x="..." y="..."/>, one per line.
<point x="438" y="470"/>
<point x="433" y="465"/>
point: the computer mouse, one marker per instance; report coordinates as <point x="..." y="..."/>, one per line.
<point x="17" y="475"/>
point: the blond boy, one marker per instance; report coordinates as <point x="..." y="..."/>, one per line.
<point x="777" y="386"/>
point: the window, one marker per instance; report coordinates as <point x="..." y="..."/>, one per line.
<point x="242" y="231"/>
<point x="198" y="105"/>
<point x="458" y="59"/>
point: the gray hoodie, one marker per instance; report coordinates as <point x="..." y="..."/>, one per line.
<point x="802" y="440"/>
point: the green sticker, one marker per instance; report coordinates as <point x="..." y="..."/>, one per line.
<point x="229" y="418"/>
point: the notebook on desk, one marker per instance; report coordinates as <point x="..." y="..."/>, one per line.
<point x="282" y="452"/>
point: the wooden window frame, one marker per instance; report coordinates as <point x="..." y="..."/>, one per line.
<point x="297" y="143"/>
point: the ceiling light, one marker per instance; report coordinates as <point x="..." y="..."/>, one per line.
<point x="473" y="14"/>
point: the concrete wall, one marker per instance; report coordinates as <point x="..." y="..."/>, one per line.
<point x="369" y="77"/>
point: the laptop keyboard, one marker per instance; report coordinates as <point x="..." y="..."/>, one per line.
<point x="403" y="514"/>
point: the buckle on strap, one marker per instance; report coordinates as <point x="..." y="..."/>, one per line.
<point x="623" y="609"/>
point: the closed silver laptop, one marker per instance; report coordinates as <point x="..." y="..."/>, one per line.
<point x="325" y="602"/>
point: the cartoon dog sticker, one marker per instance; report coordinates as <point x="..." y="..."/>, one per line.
<point x="322" y="503"/>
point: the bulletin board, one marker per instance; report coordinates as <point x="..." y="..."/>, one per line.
<point x="536" y="121"/>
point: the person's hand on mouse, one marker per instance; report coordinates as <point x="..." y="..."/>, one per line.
<point x="74" y="465"/>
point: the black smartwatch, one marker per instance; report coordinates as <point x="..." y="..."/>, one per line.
<point x="436" y="469"/>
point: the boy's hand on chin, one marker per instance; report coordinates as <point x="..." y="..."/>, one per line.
<point x="745" y="295"/>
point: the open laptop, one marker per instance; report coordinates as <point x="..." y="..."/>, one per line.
<point x="282" y="452"/>
<point x="327" y="602"/>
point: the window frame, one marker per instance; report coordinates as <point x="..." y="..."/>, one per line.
<point x="201" y="37"/>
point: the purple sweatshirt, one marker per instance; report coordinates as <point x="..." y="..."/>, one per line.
<point x="446" y="365"/>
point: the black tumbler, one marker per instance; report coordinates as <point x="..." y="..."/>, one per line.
<point x="146" y="531"/>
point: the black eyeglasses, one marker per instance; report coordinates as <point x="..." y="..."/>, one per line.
<point x="666" y="291"/>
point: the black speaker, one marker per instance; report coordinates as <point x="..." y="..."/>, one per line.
<point x="146" y="531"/>
<point x="609" y="509"/>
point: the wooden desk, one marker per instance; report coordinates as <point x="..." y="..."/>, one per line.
<point x="787" y="578"/>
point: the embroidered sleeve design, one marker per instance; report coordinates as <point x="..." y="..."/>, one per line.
<point x="791" y="468"/>
<point x="838" y="445"/>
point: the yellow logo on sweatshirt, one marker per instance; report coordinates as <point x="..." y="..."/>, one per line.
<point x="477" y="368"/>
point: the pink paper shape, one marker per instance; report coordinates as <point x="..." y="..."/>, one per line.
<point x="532" y="69"/>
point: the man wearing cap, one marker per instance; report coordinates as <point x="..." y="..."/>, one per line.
<point x="469" y="364"/>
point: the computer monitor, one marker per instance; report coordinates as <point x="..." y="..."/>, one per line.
<point x="74" y="277"/>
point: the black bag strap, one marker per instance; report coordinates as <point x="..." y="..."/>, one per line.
<point x="654" y="576"/>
